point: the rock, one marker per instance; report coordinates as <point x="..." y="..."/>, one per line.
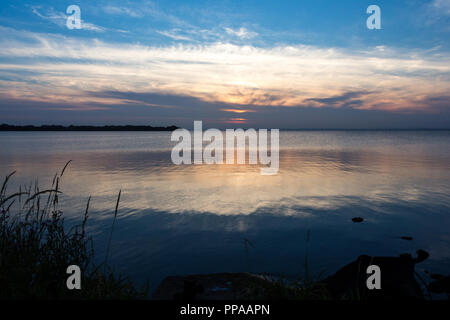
<point x="422" y="255"/>
<point x="397" y="279"/>
<point x="440" y="286"/>
<point x="357" y="219"/>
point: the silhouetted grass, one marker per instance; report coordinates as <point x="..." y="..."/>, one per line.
<point x="36" y="248"/>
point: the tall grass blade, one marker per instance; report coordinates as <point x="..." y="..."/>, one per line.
<point x="64" y="169"/>
<point x="5" y="182"/>
<point x="112" y="229"/>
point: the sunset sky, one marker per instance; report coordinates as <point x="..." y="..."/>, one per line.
<point x="264" y="64"/>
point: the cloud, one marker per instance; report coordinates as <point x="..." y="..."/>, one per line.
<point x="241" y="33"/>
<point x="60" y="19"/>
<point x="173" y="35"/>
<point x="237" y="110"/>
<point x="442" y="5"/>
<point x="345" y="100"/>
<point x="53" y="68"/>
<point x="123" y="11"/>
<point x="145" y="9"/>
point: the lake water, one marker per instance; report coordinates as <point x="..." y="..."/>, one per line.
<point x="192" y="219"/>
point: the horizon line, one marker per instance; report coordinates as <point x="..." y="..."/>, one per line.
<point x="131" y="127"/>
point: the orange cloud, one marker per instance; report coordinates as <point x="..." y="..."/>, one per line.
<point x="237" y="110"/>
<point x="236" y="120"/>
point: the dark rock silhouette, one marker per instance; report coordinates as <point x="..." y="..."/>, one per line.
<point x="422" y="255"/>
<point x="440" y="285"/>
<point x="397" y="278"/>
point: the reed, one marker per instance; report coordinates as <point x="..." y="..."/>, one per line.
<point x="36" y="248"/>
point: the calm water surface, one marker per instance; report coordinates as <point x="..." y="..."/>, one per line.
<point x="194" y="219"/>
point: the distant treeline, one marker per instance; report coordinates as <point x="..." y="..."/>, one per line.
<point x="7" y="127"/>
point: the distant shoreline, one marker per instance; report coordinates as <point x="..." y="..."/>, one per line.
<point x="71" y="128"/>
<point x="6" y="127"/>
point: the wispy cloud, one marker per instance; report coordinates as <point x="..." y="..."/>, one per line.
<point x="123" y="11"/>
<point x="442" y="5"/>
<point x="173" y="34"/>
<point x="241" y="33"/>
<point x="145" y="9"/>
